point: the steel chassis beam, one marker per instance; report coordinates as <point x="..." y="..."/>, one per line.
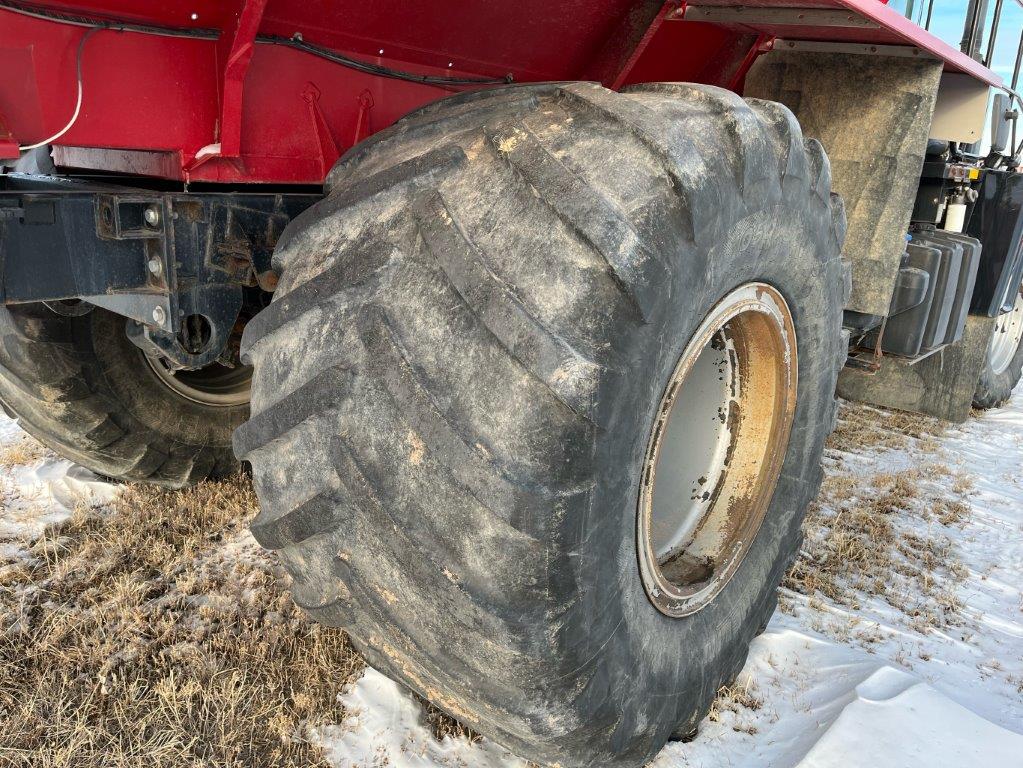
<point x="154" y="257"/>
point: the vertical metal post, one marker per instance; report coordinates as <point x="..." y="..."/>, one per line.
<point x="990" y="57"/>
<point x="1019" y="62"/>
<point x="1015" y="148"/>
<point x="930" y="9"/>
<point x="973" y="32"/>
<point x="237" y="48"/>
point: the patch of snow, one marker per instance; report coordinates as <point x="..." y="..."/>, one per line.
<point x="385" y="726"/>
<point x="826" y="704"/>
<point x="42" y="492"/>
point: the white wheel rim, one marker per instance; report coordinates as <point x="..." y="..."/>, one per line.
<point x="1006" y="339"/>
<point x="716" y="449"/>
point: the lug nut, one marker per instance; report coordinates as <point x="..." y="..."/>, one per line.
<point x="159" y="315"/>
<point x="151" y="216"/>
<point x="155" y="267"/>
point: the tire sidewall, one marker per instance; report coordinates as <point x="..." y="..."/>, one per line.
<point x="686" y="659"/>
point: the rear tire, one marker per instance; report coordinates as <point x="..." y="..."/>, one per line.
<point x="458" y="378"/>
<point x="79" y="386"/>
<point x="1003" y="367"/>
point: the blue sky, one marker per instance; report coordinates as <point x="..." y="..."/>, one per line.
<point x="949" y="17"/>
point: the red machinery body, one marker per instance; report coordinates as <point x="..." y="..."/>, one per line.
<point x="231" y="107"/>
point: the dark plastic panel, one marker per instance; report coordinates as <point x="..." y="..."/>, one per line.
<point x="946" y="280"/>
<point x="932" y="294"/>
<point x="972" y="254"/>
<point x="998" y="224"/>
<point x="904" y="332"/>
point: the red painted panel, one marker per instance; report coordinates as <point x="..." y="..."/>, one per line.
<point x="693" y="51"/>
<point x="139" y="90"/>
<point x="532" y="39"/>
<point x="894" y="29"/>
<point x="153" y="93"/>
<point x="174" y="13"/>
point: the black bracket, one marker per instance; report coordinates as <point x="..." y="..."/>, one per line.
<point x="178" y="265"/>
<point x="217" y="306"/>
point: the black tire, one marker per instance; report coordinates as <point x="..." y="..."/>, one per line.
<point x="994" y="387"/>
<point x="456" y="380"/>
<point x="79" y="386"/>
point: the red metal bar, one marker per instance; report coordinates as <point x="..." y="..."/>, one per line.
<point x="763" y="44"/>
<point x="914" y="35"/>
<point x="327" y="147"/>
<point x="888" y="27"/>
<point x="629" y="40"/>
<point x="240" y="44"/>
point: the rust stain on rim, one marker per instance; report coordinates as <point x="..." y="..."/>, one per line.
<point x="716" y="449"/>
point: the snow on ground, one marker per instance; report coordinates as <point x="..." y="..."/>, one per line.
<point x="888" y="692"/>
<point x="38" y="489"/>
<point x="385" y="728"/>
<point x="831" y="682"/>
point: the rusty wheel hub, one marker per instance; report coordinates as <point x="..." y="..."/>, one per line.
<point x="716" y="449"/>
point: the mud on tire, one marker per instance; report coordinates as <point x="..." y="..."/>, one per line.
<point x="455" y="385"/>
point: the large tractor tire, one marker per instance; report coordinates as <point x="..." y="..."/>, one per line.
<point x="541" y="399"/>
<point x="1004" y="365"/>
<point x="76" y="383"/>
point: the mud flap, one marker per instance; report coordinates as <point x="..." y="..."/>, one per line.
<point x="941" y="385"/>
<point x="872" y="114"/>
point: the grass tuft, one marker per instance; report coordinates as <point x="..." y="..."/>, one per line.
<point x="862" y="428"/>
<point x="22" y="451"/>
<point x="857" y="542"/>
<point x="734" y="699"/>
<point x="443" y="725"/>
<point x="157" y="633"/>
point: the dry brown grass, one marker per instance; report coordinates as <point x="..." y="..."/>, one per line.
<point x="442" y="725"/>
<point x="153" y="635"/>
<point x="24" y="450"/>
<point x="740" y="695"/>
<point x="856" y="540"/>
<point x="862" y="427"/>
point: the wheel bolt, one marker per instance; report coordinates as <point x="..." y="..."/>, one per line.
<point x="151" y="216"/>
<point x="159" y="315"/>
<point x="155" y="267"/>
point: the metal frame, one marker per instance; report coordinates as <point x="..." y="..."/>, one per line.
<point x="974" y="28"/>
<point x="787" y="17"/>
<point x="817" y="46"/>
<point x="996" y="21"/>
<point x="153" y="257"/>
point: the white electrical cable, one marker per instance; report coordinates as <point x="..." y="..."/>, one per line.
<point x="78" y="102"/>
